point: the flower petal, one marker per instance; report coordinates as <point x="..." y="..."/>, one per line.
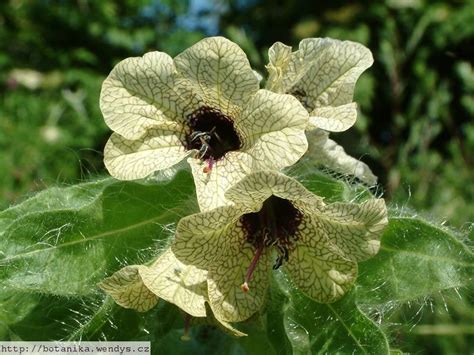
<point x="215" y="240"/>
<point x="225" y="326"/>
<point x="128" y="290"/>
<point x="334" y="119"/>
<point x="272" y="130"/>
<point x="325" y="151"/>
<point x="135" y="159"/>
<point x="323" y="71"/>
<point x="199" y="237"/>
<point x="180" y="284"/>
<point x="255" y="188"/>
<point x="316" y="267"/>
<point x="219" y="72"/>
<point x="226" y="275"/>
<point x="354" y="228"/>
<point x="281" y="68"/>
<point x="144" y="92"/>
<point x="211" y="186"/>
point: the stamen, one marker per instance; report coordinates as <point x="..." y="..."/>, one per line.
<point x="245" y="286"/>
<point x="187" y="323"/>
<point x="274" y="226"/>
<point x="211" y="133"/>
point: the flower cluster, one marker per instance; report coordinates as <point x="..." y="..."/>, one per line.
<point x="206" y="106"/>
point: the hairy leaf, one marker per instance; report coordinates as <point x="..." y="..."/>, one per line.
<point x="416" y="259"/>
<point x="339" y="327"/>
<point x="90" y="231"/>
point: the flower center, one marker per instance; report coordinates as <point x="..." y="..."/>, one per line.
<point x="275" y="225"/>
<point x="212" y="133"/>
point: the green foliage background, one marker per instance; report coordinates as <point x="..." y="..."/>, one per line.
<point x="416" y="128"/>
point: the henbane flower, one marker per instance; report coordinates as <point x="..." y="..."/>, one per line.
<point x="140" y="287"/>
<point x="322" y="74"/>
<point x="205" y="104"/>
<point x="275" y="222"/>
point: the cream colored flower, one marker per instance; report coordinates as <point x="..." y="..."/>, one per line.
<point x="322" y="74"/>
<point x="139" y="287"/>
<point x="276" y="222"/>
<point x="205" y="104"/>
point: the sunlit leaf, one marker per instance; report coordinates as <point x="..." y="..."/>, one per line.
<point x="416" y="259"/>
<point x="87" y="234"/>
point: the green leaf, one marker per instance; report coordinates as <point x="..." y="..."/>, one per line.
<point x="55" y="199"/>
<point x="275" y="327"/>
<point x="106" y="320"/>
<point x="325" y="185"/>
<point x="257" y="341"/>
<point x="339" y="327"/>
<point x="15" y="306"/>
<point x="89" y="232"/>
<point x="416" y="259"/>
<point x="93" y="320"/>
<point x="51" y="318"/>
<point x="317" y="182"/>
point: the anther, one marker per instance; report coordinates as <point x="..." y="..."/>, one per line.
<point x="278" y="262"/>
<point x="211" y="133"/>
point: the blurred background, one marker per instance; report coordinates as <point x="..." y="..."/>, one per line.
<point x="415" y="130"/>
